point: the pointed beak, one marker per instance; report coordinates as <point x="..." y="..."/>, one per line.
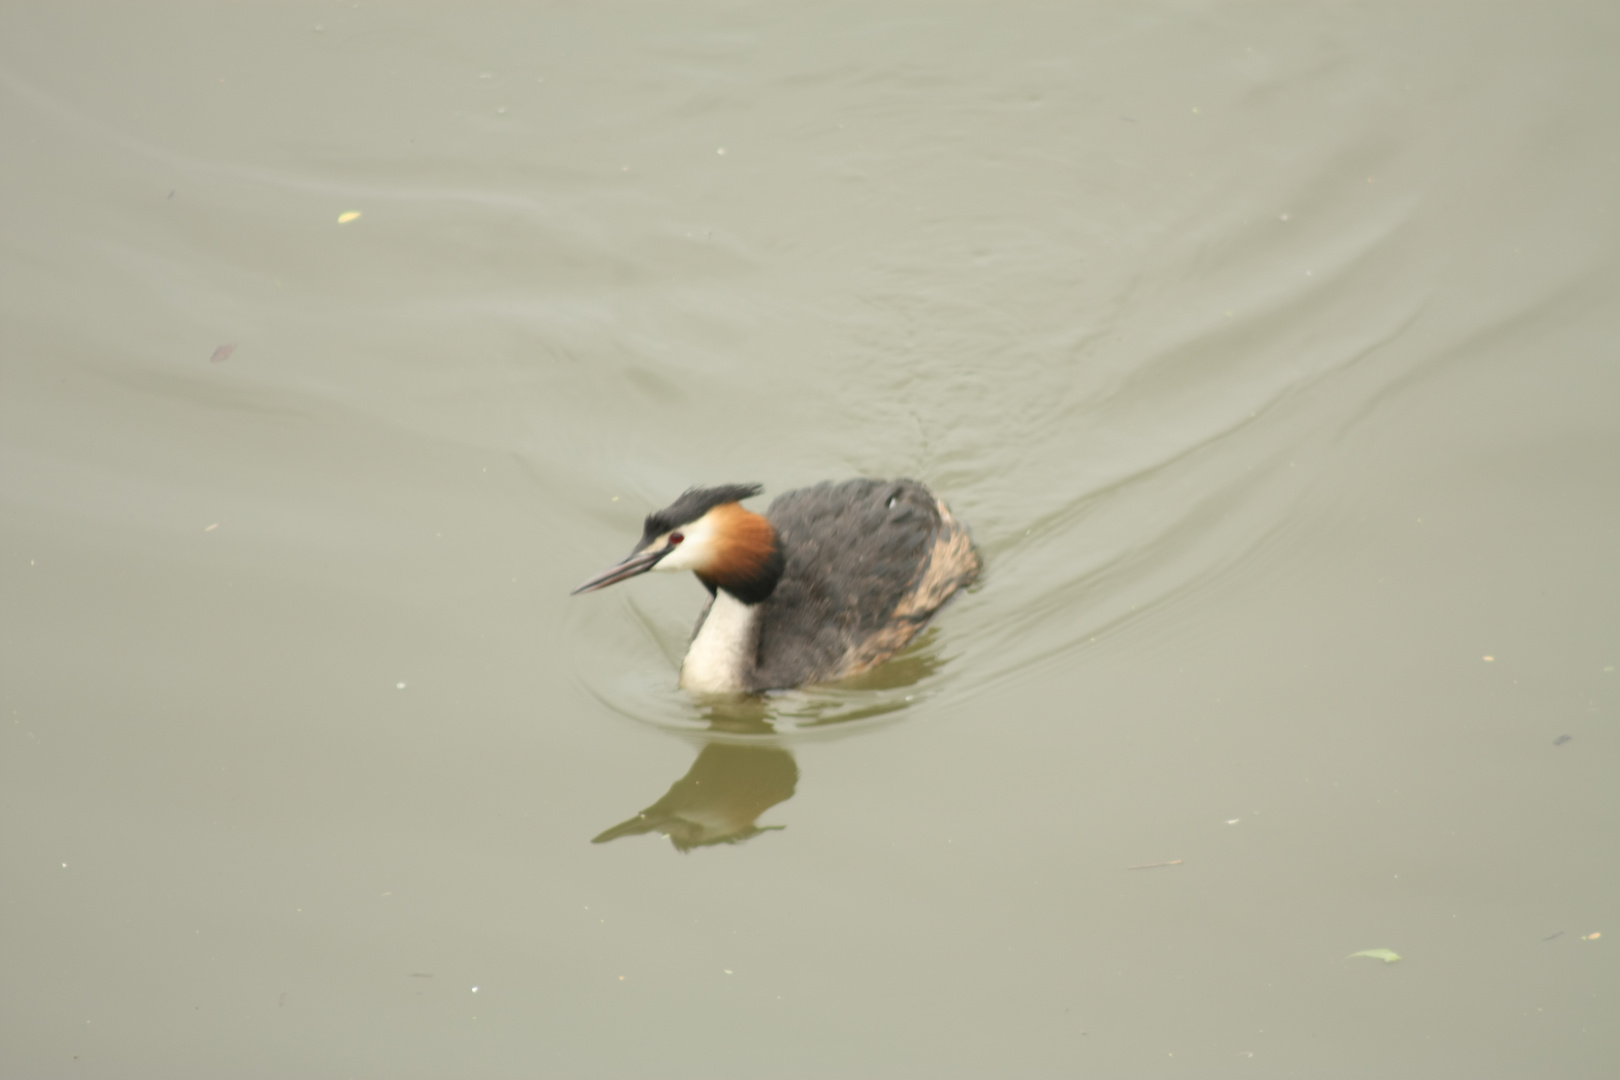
<point x="638" y="563"/>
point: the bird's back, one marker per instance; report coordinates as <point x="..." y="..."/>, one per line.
<point x="867" y="563"/>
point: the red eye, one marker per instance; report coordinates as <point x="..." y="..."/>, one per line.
<point x="676" y="538"/>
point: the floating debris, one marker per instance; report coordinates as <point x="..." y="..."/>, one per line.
<point x="1155" y="865"/>
<point x="1388" y="956"/>
<point x="223" y="353"/>
<point x="348" y="216"/>
<point x="1562" y="739"/>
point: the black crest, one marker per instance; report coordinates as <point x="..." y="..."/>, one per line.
<point x="693" y="504"/>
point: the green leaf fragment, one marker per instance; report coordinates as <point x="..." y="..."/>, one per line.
<point x="1388" y="956"/>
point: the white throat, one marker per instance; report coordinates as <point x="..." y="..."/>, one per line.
<point x="722" y="655"/>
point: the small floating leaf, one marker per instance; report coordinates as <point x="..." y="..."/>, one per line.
<point x="1388" y="956"/>
<point x="347" y="216"/>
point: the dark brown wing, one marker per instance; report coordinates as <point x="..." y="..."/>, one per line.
<point x="867" y="563"/>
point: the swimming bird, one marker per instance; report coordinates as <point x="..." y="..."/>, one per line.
<point x="829" y="582"/>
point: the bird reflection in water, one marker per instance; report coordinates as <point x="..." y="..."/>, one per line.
<point x="728" y="787"/>
<point x="722" y="795"/>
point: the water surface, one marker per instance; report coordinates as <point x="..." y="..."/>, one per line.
<point x="1268" y="351"/>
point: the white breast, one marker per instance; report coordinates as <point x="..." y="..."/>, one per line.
<point x="722" y="655"/>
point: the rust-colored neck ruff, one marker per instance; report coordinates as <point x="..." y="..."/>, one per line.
<point x="747" y="562"/>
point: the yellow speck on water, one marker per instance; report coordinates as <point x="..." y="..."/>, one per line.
<point x="1593" y="936"/>
<point x="212" y="527"/>
<point x="1490" y="659"/>
<point x="348" y="216"/>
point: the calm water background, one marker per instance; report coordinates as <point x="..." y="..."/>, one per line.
<point x="1270" y="350"/>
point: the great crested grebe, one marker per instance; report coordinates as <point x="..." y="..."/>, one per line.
<point x="831" y="581"/>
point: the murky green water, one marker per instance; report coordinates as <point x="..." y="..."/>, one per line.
<point x="1269" y="351"/>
